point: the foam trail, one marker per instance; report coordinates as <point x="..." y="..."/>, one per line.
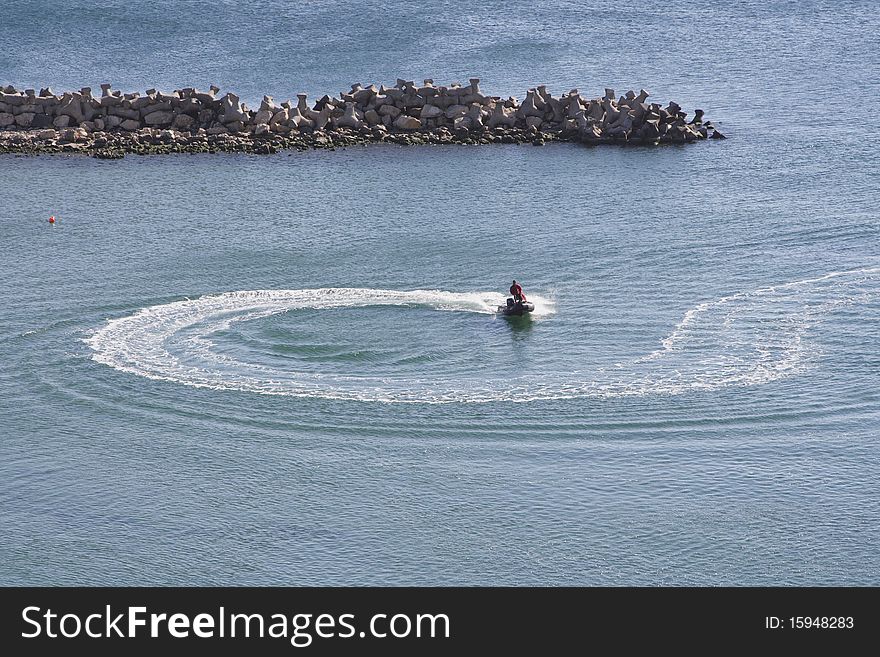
<point x="747" y="338"/>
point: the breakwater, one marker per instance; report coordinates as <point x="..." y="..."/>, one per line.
<point x="114" y="123"/>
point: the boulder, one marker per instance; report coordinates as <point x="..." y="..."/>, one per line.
<point x="264" y="115"/>
<point x="349" y="118"/>
<point x="300" y="122"/>
<point x="280" y="118"/>
<point x="74" y="135"/>
<point x="501" y="117"/>
<point x="389" y="110"/>
<point x="372" y="118"/>
<point x="269" y="105"/>
<point x="363" y="96"/>
<point x="154" y="107"/>
<point x="475" y="116"/>
<point x="183" y="122"/>
<point x="12" y="98"/>
<point x="142" y="102"/>
<point x="231" y="110"/>
<point x="41" y="121"/>
<point x="189" y="106"/>
<point x="454" y="111"/>
<point x="71" y="107"/>
<point x="405" y="122"/>
<point x="533" y="122"/>
<point x="61" y="122"/>
<point x="430" y="112"/>
<point x="124" y="112"/>
<point x="130" y="124"/>
<point x="304" y="108"/>
<point x="24" y="120"/>
<point x="47" y="135"/>
<point x="323" y="118"/>
<point x="159" y="118"/>
<point x="28" y="108"/>
<point x="6" y="119"/>
<point x="262" y="129"/>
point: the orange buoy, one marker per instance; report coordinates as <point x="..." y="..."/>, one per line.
<point x="52" y="220"/>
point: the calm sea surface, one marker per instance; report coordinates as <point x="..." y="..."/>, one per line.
<point x="286" y="369"/>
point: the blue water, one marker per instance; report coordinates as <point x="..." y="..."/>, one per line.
<point x="286" y="369"/>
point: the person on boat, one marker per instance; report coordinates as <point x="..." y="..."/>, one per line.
<point x="516" y="292"/>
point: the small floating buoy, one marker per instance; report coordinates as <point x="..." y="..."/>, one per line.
<point x="52" y="219"/>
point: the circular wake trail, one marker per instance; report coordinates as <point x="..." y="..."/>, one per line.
<point x="747" y="338"/>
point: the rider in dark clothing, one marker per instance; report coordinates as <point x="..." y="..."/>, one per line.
<point x="517" y="293"/>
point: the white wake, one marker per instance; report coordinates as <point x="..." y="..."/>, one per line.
<point x="747" y="338"/>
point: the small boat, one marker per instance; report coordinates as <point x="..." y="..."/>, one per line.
<point x="516" y="308"/>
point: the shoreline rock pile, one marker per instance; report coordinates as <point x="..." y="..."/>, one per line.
<point x="188" y="120"/>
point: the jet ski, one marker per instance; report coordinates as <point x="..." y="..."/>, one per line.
<point x="516" y="308"/>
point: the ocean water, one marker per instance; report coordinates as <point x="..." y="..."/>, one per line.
<point x="287" y="369"/>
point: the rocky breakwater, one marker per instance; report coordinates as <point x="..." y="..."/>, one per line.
<point x="189" y="120"/>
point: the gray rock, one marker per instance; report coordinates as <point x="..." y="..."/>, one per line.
<point x="159" y="118"/>
<point x="130" y="124"/>
<point x="70" y="106"/>
<point x="462" y="123"/>
<point x="231" y="109"/>
<point x="47" y="135"/>
<point x="29" y="108"/>
<point x="74" y="135"/>
<point x="12" y="98"/>
<point x="501" y="117"/>
<point x="430" y="112"/>
<point x="405" y="122"/>
<point x="61" y="121"/>
<point x="143" y="101"/>
<point x="265" y="114"/>
<point x="372" y="117"/>
<point x="268" y="105"/>
<point x="300" y="122"/>
<point x="183" y="122"/>
<point x="349" y="119"/>
<point x="6" y="119"/>
<point x="280" y="118"/>
<point x="41" y="121"/>
<point x="389" y="110"/>
<point x="476" y="115"/>
<point x="125" y="113"/>
<point x="154" y="107"/>
<point x="323" y="118"/>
